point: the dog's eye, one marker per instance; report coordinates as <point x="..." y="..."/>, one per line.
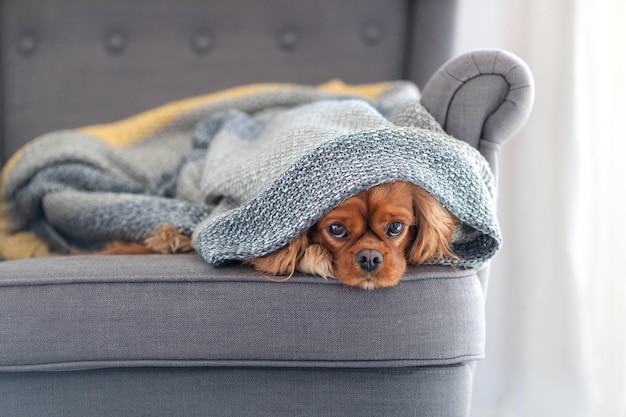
<point x="395" y="229"/>
<point x="338" y="231"/>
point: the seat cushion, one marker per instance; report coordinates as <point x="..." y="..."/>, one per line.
<point x="84" y="312"/>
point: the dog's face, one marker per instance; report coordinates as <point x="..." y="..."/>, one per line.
<point x="368" y="240"/>
<point x="367" y="236"/>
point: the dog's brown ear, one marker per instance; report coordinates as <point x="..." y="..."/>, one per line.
<point x="435" y="229"/>
<point x="284" y="260"/>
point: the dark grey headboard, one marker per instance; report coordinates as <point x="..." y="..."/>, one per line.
<point x="68" y="63"/>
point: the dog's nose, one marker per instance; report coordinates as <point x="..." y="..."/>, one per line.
<point x="369" y="259"/>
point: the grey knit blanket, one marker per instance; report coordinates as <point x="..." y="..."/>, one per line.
<point x="245" y="173"/>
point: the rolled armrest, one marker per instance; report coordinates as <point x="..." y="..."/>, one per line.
<point x="483" y="95"/>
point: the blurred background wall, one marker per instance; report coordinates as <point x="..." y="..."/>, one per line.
<point x="556" y="302"/>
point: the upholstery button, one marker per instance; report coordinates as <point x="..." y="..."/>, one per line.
<point x="372" y="34"/>
<point x="115" y="43"/>
<point x="288" y="40"/>
<point x="201" y="43"/>
<point x="27" y="44"/>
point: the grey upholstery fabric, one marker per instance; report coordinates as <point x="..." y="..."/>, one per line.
<point x="177" y="311"/>
<point x="240" y="392"/>
<point x="107" y="60"/>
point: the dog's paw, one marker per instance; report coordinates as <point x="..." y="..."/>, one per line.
<point x="167" y="239"/>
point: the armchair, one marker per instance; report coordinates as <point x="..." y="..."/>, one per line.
<point x="172" y="336"/>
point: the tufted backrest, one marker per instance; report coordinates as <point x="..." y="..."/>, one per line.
<point x="68" y="63"/>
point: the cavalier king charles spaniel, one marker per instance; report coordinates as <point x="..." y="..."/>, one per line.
<point x="367" y="241"/>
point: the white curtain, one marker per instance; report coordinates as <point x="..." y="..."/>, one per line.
<point x="556" y="306"/>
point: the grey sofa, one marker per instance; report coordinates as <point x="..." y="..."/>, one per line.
<point x="171" y="336"/>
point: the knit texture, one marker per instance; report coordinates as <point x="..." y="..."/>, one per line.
<point x="245" y="173"/>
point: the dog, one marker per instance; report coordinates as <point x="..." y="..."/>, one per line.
<point x="366" y="242"/>
<point x="369" y="239"/>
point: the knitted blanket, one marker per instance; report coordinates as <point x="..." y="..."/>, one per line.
<point x="242" y="171"/>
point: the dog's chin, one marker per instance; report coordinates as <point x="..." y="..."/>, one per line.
<point x="370" y="281"/>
